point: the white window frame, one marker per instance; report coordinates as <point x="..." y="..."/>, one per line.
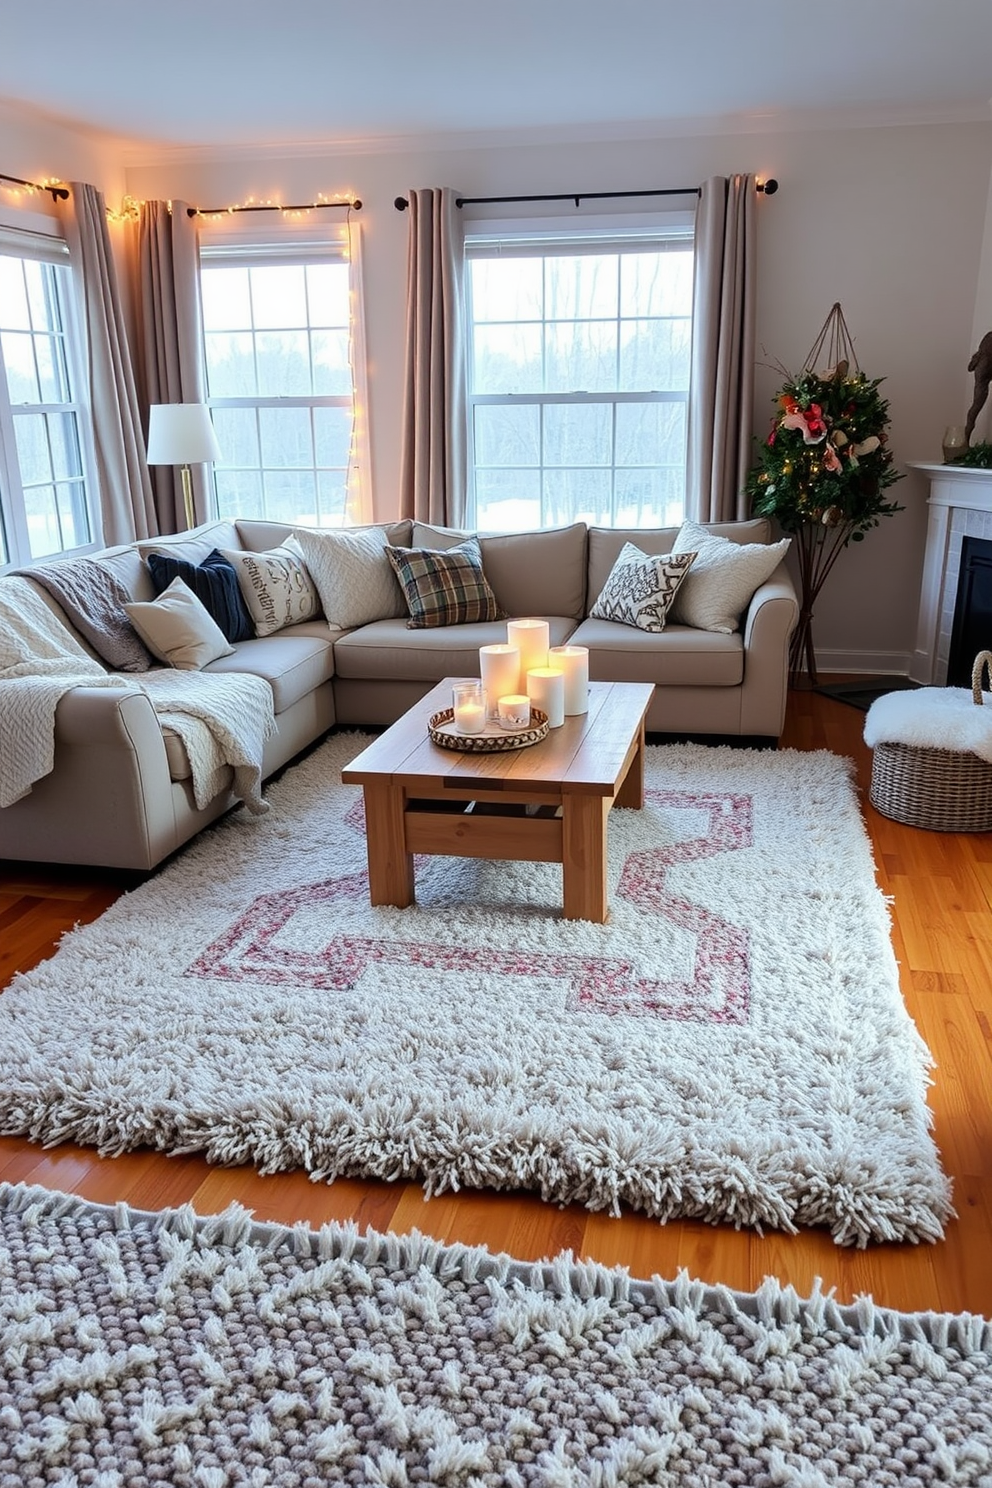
<point x="588" y="234"/>
<point x="33" y="235"/>
<point x="232" y="242"/>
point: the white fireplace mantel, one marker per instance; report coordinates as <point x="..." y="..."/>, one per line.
<point x="960" y="506"/>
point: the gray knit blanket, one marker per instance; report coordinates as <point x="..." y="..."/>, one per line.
<point x="167" y="1349"/>
<point x="93" y="599"/>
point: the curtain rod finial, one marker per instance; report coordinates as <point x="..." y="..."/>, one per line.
<point x="769" y="187"/>
<point x="401" y="204"/>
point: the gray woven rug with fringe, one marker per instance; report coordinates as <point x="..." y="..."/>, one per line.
<point x="201" y="1353"/>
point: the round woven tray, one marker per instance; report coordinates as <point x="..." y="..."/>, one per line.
<point x="941" y="790"/>
<point x="494" y="740"/>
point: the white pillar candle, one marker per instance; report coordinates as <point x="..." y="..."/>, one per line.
<point x="500" y="669"/>
<point x="514" y="711"/>
<point x="469" y="707"/>
<point x="546" y="690"/>
<point x="574" y="662"/>
<point x="532" y="639"/>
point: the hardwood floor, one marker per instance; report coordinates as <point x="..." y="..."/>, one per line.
<point x="941" y="890"/>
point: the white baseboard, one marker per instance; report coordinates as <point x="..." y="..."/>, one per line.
<point x="871" y="663"/>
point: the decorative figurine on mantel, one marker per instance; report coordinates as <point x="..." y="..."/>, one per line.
<point x="981" y="365"/>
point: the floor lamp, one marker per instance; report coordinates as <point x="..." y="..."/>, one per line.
<point x="182" y="434"/>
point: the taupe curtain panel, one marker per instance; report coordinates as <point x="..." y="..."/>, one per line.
<point x="433" y="457"/>
<point x="722" y="387"/>
<point x="125" y="490"/>
<point x="165" y="275"/>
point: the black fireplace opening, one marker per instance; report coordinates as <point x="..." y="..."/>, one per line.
<point x="972" y="628"/>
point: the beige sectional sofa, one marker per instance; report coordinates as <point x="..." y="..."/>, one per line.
<point x="120" y="793"/>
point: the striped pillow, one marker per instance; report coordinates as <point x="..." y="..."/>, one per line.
<point x="444" y="587"/>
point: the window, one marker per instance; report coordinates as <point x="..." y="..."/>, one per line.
<point x="578" y="375"/>
<point x="44" y="504"/>
<point x="282" y="341"/>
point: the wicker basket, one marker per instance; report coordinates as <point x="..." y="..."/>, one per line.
<point x="941" y="790"/>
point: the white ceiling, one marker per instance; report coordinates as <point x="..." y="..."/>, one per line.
<point x="233" y="73"/>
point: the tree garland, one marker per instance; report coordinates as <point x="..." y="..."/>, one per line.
<point x="823" y="470"/>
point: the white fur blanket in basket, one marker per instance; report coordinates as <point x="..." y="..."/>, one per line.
<point x="933" y="718"/>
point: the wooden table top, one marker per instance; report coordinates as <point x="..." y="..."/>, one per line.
<point x="586" y="755"/>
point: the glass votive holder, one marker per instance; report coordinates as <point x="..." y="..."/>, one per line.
<point x="514" y="711"/>
<point x="469" y="707"/>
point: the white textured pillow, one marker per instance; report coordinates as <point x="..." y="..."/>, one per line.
<point x="354" y="578"/>
<point x="178" y="629"/>
<point x="639" y="589"/>
<point x="724" y="577"/>
<point x="276" y="585"/>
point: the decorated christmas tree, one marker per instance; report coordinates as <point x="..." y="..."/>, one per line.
<point x="825" y="466"/>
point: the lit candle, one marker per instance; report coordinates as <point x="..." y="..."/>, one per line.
<point x="514" y="710"/>
<point x="532" y="639"/>
<point x="574" y="662"/>
<point x="469" y="707"/>
<point x="546" y="690"/>
<point x="500" y="668"/>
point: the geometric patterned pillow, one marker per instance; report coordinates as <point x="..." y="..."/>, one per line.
<point x="444" y="587"/>
<point x="640" y="589"/>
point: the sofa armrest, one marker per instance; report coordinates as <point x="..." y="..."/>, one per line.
<point x="109" y="798"/>
<point x="107" y="715"/>
<point x="774" y="609"/>
<point x="771" y="619"/>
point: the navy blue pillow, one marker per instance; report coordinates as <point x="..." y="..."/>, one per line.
<point x="215" y="585"/>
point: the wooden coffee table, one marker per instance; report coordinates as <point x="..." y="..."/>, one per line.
<point x="548" y="803"/>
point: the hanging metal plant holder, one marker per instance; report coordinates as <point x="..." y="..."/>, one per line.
<point x="824" y="467"/>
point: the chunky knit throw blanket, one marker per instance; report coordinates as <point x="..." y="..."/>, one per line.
<point x="223" y="719"/>
<point x="141" y="1349"/>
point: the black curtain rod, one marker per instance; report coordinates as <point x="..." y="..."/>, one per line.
<point x="59" y="193"/>
<point x="401" y="203"/>
<point x="353" y="206"/>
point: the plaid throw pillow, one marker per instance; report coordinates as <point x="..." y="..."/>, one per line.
<point x="444" y="587"/>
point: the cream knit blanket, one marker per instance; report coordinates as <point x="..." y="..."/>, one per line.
<point x="223" y="719"/>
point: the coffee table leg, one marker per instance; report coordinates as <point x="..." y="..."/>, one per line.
<point x="584" y="857"/>
<point x="390" y="865"/>
<point x="631" y="792"/>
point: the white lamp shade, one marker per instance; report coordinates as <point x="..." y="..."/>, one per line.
<point x="181" y="434"/>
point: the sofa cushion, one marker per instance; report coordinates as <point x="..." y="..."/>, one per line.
<point x="388" y="651"/>
<point x="531" y="573"/>
<point x="678" y="656"/>
<point x="177" y="629"/>
<point x="353" y="576"/>
<point x="275" y="586"/>
<point x="193" y="546"/>
<point x="640" y="589"/>
<point x="444" y="587"/>
<point x="215" y="584"/>
<point x="605" y="543"/>
<point x="723" y="577"/>
<point x="293" y="661"/>
<point x="257" y="536"/>
<point x="127" y="565"/>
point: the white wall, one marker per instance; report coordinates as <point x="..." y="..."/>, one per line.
<point x="889" y="221"/>
<point x="36" y="148"/>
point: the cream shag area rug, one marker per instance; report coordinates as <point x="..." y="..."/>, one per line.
<point x="142" y="1349"/>
<point x="732" y="1046"/>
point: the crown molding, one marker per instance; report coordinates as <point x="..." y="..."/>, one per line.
<point x="136" y="154"/>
